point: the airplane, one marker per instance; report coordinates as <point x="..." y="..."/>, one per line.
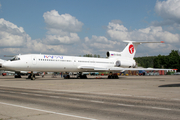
<point x="115" y="62"/>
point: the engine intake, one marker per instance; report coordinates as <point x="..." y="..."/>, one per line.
<point x="113" y="54"/>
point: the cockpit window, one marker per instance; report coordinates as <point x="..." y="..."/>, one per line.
<point x="15" y="58"/>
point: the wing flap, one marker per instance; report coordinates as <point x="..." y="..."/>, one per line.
<point x="96" y="68"/>
<point x="132" y="69"/>
<point x="93" y="68"/>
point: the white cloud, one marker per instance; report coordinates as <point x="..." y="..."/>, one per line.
<point x="99" y="45"/>
<point x="65" y="22"/>
<point x="38" y="47"/>
<point x="100" y="42"/>
<point x="169" y="9"/>
<point x="154" y="34"/>
<point x="11" y="35"/>
<point x="116" y="21"/>
<point x="11" y="51"/>
<point x="58" y="39"/>
<point x="14" y="40"/>
<point x="61" y="28"/>
<point x="170" y="12"/>
<point x="119" y="32"/>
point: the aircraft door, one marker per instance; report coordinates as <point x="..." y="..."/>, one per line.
<point x="75" y="62"/>
<point x="34" y="60"/>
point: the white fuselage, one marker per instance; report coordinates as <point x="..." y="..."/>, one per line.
<point x="60" y="63"/>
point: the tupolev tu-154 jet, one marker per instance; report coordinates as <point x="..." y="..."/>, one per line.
<point x="115" y="62"/>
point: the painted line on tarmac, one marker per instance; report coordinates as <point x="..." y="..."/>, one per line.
<point x="54" y="96"/>
<point x="161" y="108"/>
<point x="25" y="93"/>
<point x="96" y="101"/>
<point x="73" y="99"/>
<point x="126" y="105"/>
<point x="147" y="97"/>
<point x="88" y="92"/>
<point x="69" y="115"/>
<point x="37" y="94"/>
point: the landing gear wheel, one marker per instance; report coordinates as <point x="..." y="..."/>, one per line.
<point x="17" y="76"/>
<point x="110" y="76"/>
<point x="80" y="76"/>
<point x="113" y="77"/>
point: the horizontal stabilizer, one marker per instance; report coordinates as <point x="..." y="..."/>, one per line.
<point x="140" y="42"/>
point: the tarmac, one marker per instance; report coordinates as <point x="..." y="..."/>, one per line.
<point x="166" y="86"/>
<point x="92" y="98"/>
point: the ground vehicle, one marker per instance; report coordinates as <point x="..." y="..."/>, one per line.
<point x="177" y="73"/>
<point x="3" y="74"/>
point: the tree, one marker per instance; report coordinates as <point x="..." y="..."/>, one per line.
<point x="171" y="61"/>
<point x="145" y="61"/>
<point x="157" y="62"/>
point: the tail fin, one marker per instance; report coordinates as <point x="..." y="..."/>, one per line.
<point x="129" y="51"/>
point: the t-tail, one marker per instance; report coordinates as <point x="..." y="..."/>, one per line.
<point x="129" y="51"/>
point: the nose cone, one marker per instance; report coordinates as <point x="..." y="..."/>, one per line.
<point x="8" y="65"/>
<point x="1" y="64"/>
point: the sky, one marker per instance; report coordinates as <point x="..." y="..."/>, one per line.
<point x="79" y="27"/>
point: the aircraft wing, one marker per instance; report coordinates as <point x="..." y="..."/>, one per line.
<point x="96" y="68"/>
<point x="132" y="69"/>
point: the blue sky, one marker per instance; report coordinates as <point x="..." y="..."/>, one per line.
<point x="87" y="26"/>
<point x="93" y="13"/>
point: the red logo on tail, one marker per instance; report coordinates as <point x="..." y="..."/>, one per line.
<point x="131" y="49"/>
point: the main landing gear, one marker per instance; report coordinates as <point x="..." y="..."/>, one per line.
<point x="17" y="75"/>
<point x="79" y="75"/>
<point x="113" y="76"/>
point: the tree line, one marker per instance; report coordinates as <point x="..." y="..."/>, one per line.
<point x="171" y="61"/>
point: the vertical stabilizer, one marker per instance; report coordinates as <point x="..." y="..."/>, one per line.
<point x="129" y="51"/>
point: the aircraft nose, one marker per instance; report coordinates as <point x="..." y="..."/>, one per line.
<point x="1" y="65"/>
<point x="9" y="65"/>
<point x="6" y="65"/>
